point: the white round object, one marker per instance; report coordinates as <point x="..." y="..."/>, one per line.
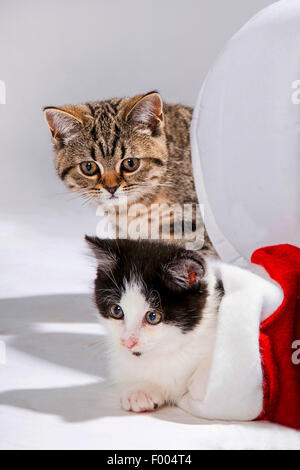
<point x="246" y="137"/>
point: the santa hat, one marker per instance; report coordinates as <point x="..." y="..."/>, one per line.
<point x="254" y="371"/>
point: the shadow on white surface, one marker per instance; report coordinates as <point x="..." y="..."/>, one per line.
<point x="58" y="330"/>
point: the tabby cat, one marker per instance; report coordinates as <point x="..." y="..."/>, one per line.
<point x="137" y="148"/>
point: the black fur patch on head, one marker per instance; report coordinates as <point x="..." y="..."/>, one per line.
<point x="173" y="278"/>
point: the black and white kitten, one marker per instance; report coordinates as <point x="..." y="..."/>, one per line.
<point x="160" y="305"/>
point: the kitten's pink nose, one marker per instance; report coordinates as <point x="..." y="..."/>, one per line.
<point x="111" y="189"/>
<point x="130" y="342"/>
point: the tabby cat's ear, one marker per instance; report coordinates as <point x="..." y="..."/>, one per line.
<point x="147" y="113"/>
<point x="105" y="251"/>
<point x="184" y="272"/>
<point x="64" y="123"/>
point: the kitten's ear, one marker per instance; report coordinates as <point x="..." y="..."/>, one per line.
<point x="184" y="272"/>
<point x="104" y="251"/>
<point x="147" y="113"/>
<point x="64" y="123"/>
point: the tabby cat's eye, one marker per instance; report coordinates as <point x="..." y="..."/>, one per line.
<point x="130" y="164"/>
<point x="116" y="312"/>
<point x="153" y="318"/>
<point x="89" y="168"/>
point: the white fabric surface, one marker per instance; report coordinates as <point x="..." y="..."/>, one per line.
<point x="44" y="252"/>
<point x="234" y="388"/>
<point x="245" y="137"/>
<point x="53" y="392"/>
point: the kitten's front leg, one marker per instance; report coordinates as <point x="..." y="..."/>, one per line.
<point x="141" y="397"/>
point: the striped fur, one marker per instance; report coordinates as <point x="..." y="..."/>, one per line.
<point x="107" y="132"/>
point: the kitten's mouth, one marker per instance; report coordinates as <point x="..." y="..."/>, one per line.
<point x="137" y="353"/>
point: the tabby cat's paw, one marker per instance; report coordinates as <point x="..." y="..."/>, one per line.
<point x="141" y="399"/>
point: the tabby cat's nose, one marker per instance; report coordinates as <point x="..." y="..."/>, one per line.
<point x="111" y="189"/>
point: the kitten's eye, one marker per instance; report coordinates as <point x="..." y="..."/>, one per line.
<point x="116" y="312"/>
<point x="153" y="318"/>
<point x="130" y="164"/>
<point x="89" y="168"/>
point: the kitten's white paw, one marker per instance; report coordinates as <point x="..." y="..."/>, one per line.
<point x="141" y="399"/>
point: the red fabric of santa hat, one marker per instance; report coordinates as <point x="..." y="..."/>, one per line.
<point x="280" y="337"/>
